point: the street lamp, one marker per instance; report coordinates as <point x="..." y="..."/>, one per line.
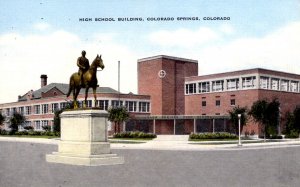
<point x="240" y="143"/>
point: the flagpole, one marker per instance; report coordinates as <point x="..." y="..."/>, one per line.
<point x="119" y="82"/>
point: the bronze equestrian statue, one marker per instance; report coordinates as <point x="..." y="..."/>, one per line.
<point x="85" y="78"/>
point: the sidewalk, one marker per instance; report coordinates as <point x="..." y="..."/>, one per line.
<point x="162" y="143"/>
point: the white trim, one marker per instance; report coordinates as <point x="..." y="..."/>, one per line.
<point x="167" y="57"/>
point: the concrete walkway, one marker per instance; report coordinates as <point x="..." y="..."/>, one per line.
<point x="166" y="142"/>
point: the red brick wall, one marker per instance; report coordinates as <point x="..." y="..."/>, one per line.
<point x="168" y="88"/>
<point x="288" y="101"/>
<point x="182" y="70"/>
<point x="167" y="94"/>
<point x="242" y="98"/>
<point x="150" y="84"/>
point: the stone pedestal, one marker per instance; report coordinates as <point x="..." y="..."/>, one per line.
<point x="84" y="139"/>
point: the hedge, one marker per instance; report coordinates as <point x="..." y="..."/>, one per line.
<point x="135" y="134"/>
<point x="217" y="135"/>
<point x="30" y="133"/>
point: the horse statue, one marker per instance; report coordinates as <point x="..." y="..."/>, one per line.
<point x="89" y="81"/>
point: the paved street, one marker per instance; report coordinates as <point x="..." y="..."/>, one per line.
<point x="23" y="164"/>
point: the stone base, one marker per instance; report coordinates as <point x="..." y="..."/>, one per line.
<point x="84" y="140"/>
<point x="85" y="160"/>
<point x="83" y="148"/>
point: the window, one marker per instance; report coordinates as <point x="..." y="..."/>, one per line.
<point x="14" y="110"/>
<point x="21" y="110"/>
<point x="45" y="109"/>
<point x="144" y="106"/>
<point x="37" y="125"/>
<point x="284" y="85"/>
<point x="203" y="87"/>
<point x="248" y="82"/>
<point x="131" y="106"/>
<point x="116" y="103"/>
<point x="63" y="105"/>
<point x="37" y="109"/>
<point x="103" y="104"/>
<point x="7" y="112"/>
<point x="89" y="103"/>
<point x="27" y="110"/>
<point x="232" y="102"/>
<point x="232" y="84"/>
<point x="203" y="103"/>
<point x="294" y="86"/>
<point x="217" y="85"/>
<point x="27" y="123"/>
<point x="44" y="123"/>
<point x="274" y="84"/>
<point x="218" y="103"/>
<point x="264" y="82"/>
<point x="190" y="88"/>
<point x="54" y="107"/>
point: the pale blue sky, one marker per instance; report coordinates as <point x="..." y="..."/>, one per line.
<point x="48" y="34"/>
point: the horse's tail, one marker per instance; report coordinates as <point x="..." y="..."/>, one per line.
<point x="71" y="85"/>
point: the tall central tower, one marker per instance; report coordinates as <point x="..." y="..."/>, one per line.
<point x="162" y="77"/>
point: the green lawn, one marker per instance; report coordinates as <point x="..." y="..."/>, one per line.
<point x="31" y="136"/>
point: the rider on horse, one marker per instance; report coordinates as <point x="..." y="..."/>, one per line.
<point x="84" y="65"/>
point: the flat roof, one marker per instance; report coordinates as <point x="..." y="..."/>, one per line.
<point x="241" y="72"/>
<point x="167" y="57"/>
<point x="172" y="117"/>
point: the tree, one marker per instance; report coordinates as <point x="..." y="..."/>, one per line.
<point x="234" y="117"/>
<point x="2" y="119"/>
<point x="267" y="114"/>
<point x="292" y="127"/>
<point x="16" y="120"/>
<point x="296" y="114"/>
<point x="118" y="115"/>
<point x="56" y="120"/>
<point x="272" y="114"/>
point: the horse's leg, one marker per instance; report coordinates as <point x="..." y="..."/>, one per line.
<point x="86" y="95"/>
<point x="74" y="98"/>
<point x="76" y="95"/>
<point x="95" y="96"/>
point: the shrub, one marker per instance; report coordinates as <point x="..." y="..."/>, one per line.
<point x="30" y="133"/>
<point x="292" y="134"/>
<point x="28" y="128"/>
<point x="217" y="135"/>
<point x="3" y="132"/>
<point x="135" y="134"/>
<point x="46" y="128"/>
<point x="275" y="137"/>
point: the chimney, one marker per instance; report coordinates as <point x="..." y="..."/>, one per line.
<point x="43" y="80"/>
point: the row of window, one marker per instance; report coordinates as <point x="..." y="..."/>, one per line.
<point x="278" y="84"/>
<point x="132" y="106"/>
<point x="265" y="82"/>
<point x="218" y="102"/>
<point x="218" y="85"/>
<point x="38" y="124"/>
